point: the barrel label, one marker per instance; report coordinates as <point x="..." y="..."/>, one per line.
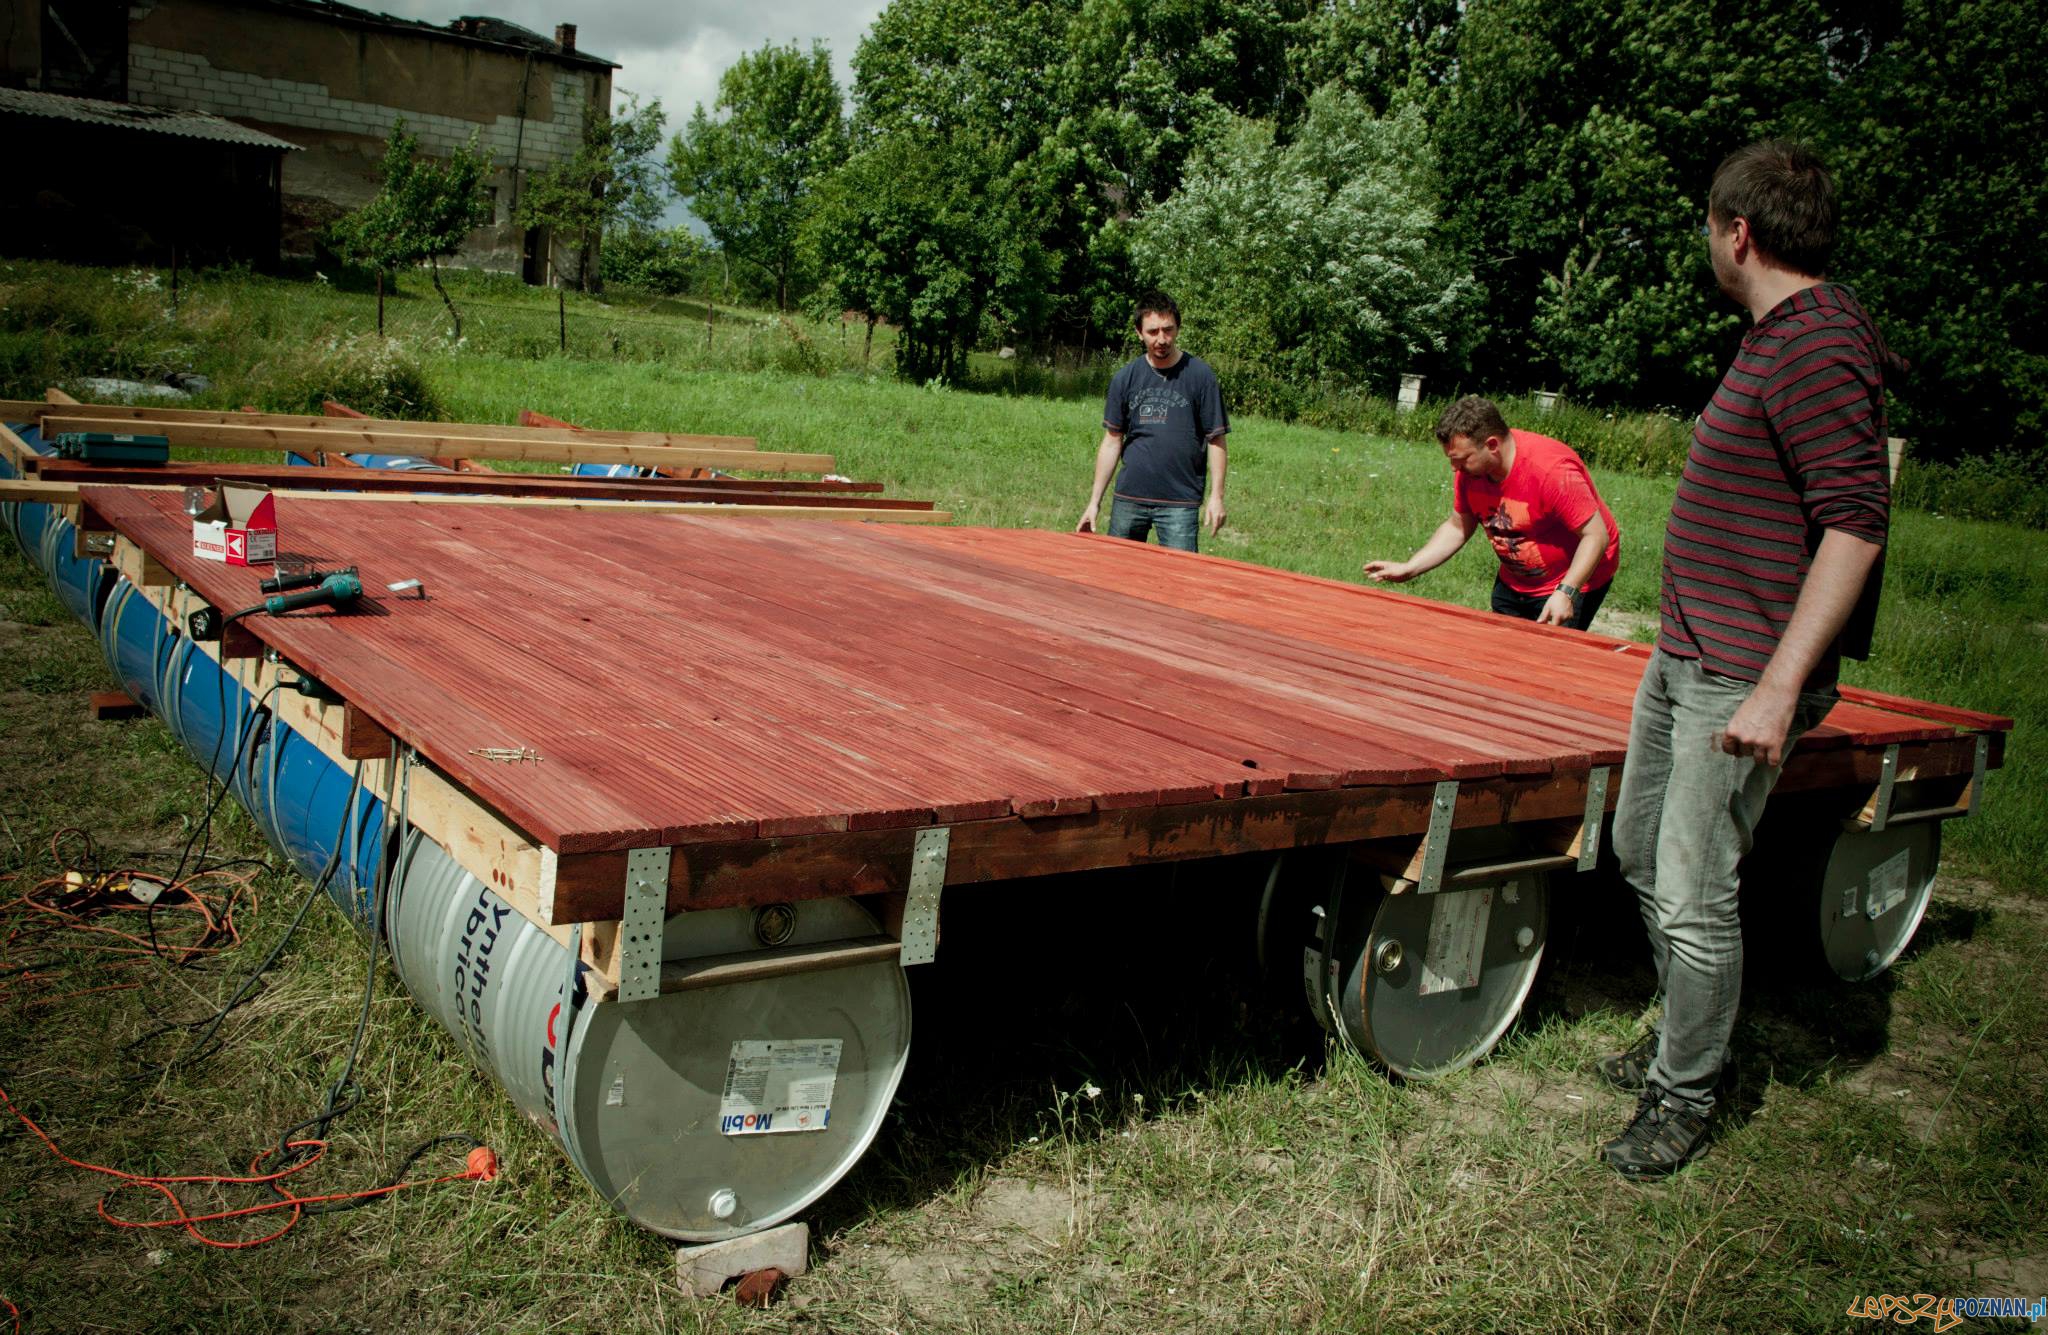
<point x="1457" y="940"/>
<point x="777" y="1085"/>
<point x="1888" y="881"/>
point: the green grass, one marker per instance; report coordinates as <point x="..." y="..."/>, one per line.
<point x="1227" y="1173"/>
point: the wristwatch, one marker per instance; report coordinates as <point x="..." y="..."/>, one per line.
<point x="1573" y="592"/>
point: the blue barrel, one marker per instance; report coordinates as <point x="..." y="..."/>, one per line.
<point x="404" y="463"/>
<point x="134" y="638"/>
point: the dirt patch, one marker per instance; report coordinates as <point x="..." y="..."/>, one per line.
<point x="1008" y="1230"/>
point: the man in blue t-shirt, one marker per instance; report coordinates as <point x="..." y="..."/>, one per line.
<point x="1165" y="420"/>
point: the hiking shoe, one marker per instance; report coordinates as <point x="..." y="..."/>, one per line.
<point x="1660" y="1139"/>
<point x="1631" y="1070"/>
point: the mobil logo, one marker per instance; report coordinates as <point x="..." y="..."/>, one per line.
<point x="732" y="1123"/>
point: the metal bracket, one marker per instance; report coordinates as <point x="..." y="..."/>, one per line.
<point x="641" y="919"/>
<point x="1596" y="812"/>
<point x="1442" y="806"/>
<point x="921" y="906"/>
<point x="1881" y="803"/>
<point x="1977" y="774"/>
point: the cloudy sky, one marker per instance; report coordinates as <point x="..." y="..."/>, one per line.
<point x="671" y="49"/>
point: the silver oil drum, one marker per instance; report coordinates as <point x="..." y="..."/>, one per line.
<point x="1873" y="894"/>
<point x="1427" y="984"/>
<point x="637" y="1092"/>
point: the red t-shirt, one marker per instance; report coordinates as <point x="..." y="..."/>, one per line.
<point x="1534" y="514"/>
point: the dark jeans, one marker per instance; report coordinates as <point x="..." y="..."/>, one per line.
<point x="1178" y="525"/>
<point x="1529" y="606"/>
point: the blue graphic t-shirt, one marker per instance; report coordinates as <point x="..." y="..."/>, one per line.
<point x="1167" y="419"/>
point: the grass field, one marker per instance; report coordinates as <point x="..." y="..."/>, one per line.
<point x="1109" y="1122"/>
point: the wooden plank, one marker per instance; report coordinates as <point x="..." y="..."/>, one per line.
<point x="486" y="482"/>
<point x="23" y="460"/>
<point x="844" y="514"/>
<point x="350" y="436"/>
<point x="69" y="493"/>
<point x="755" y="966"/>
<point x="285" y="476"/>
<point x="530" y="418"/>
<point x="113" y="705"/>
<point x="349" y="421"/>
<point x="32" y="491"/>
<point x="55" y="395"/>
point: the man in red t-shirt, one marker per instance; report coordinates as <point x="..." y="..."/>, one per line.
<point x="1556" y="539"/>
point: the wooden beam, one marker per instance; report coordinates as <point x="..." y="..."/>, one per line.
<point x="32" y="410"/>
<point x="68" y="493"/>
<point x="110" y="705"/>
<point x="16" y="452"/>
<point x="362" y="738"/>
<point x="341" y="435"/>
<point x="55" y="395"/>
<point x="754" y="966"/>
<point x="141" y="569"/>
<point x="752" y="872"/>
<point x="207" y="472"/>
<point x="34" y="491"/>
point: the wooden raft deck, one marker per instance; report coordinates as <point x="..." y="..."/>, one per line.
<point x="787" y="704"/>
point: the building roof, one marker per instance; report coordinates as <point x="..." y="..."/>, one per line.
<point x="471" y="30"/>
<point x="129" y="116"/>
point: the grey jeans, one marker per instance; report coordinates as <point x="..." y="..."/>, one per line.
<point x="1686" y="815"/>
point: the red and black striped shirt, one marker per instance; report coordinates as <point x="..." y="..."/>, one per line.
<point x="1792" y="444"/>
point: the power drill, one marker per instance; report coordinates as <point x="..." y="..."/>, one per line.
<point x="337" y="590"/>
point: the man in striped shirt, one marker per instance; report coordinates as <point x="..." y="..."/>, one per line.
<point x="1771" y="567"/>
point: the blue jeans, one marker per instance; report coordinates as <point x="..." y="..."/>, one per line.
<point x="1686" y="815"/>
<point x="1178" y="525"/>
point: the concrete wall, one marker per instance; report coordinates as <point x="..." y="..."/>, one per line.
<point x="334" y="89"/>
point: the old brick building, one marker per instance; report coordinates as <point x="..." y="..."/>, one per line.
<point x="329" y="78"/>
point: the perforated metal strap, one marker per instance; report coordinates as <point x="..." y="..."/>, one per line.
<point x="921" y="907"/>
<point x="1977" y="773"/>
<point x="640" y="922"/>
<point x="1442" y="806"/>
<point x="1596" y="811"/>
<point x="1887" y="775"/>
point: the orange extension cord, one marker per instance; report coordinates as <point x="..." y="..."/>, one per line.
<point x="197" y="917"/>
<point x="482" y="1166"/>
<point x="202" y="924"/>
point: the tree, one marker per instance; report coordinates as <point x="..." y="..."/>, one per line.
<point x="1943" y="214"/>
<point x="1575" y="152"/>
<point x="611" y="181"/>
<point x="748" y="173"/>
<point x="1318" y="260"/>
<point x="424" y="210"/>
<point x="937" y="233"/>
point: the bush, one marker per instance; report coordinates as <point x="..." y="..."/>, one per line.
<point x="673" y="263"/>
<point x="379" y="376"/>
